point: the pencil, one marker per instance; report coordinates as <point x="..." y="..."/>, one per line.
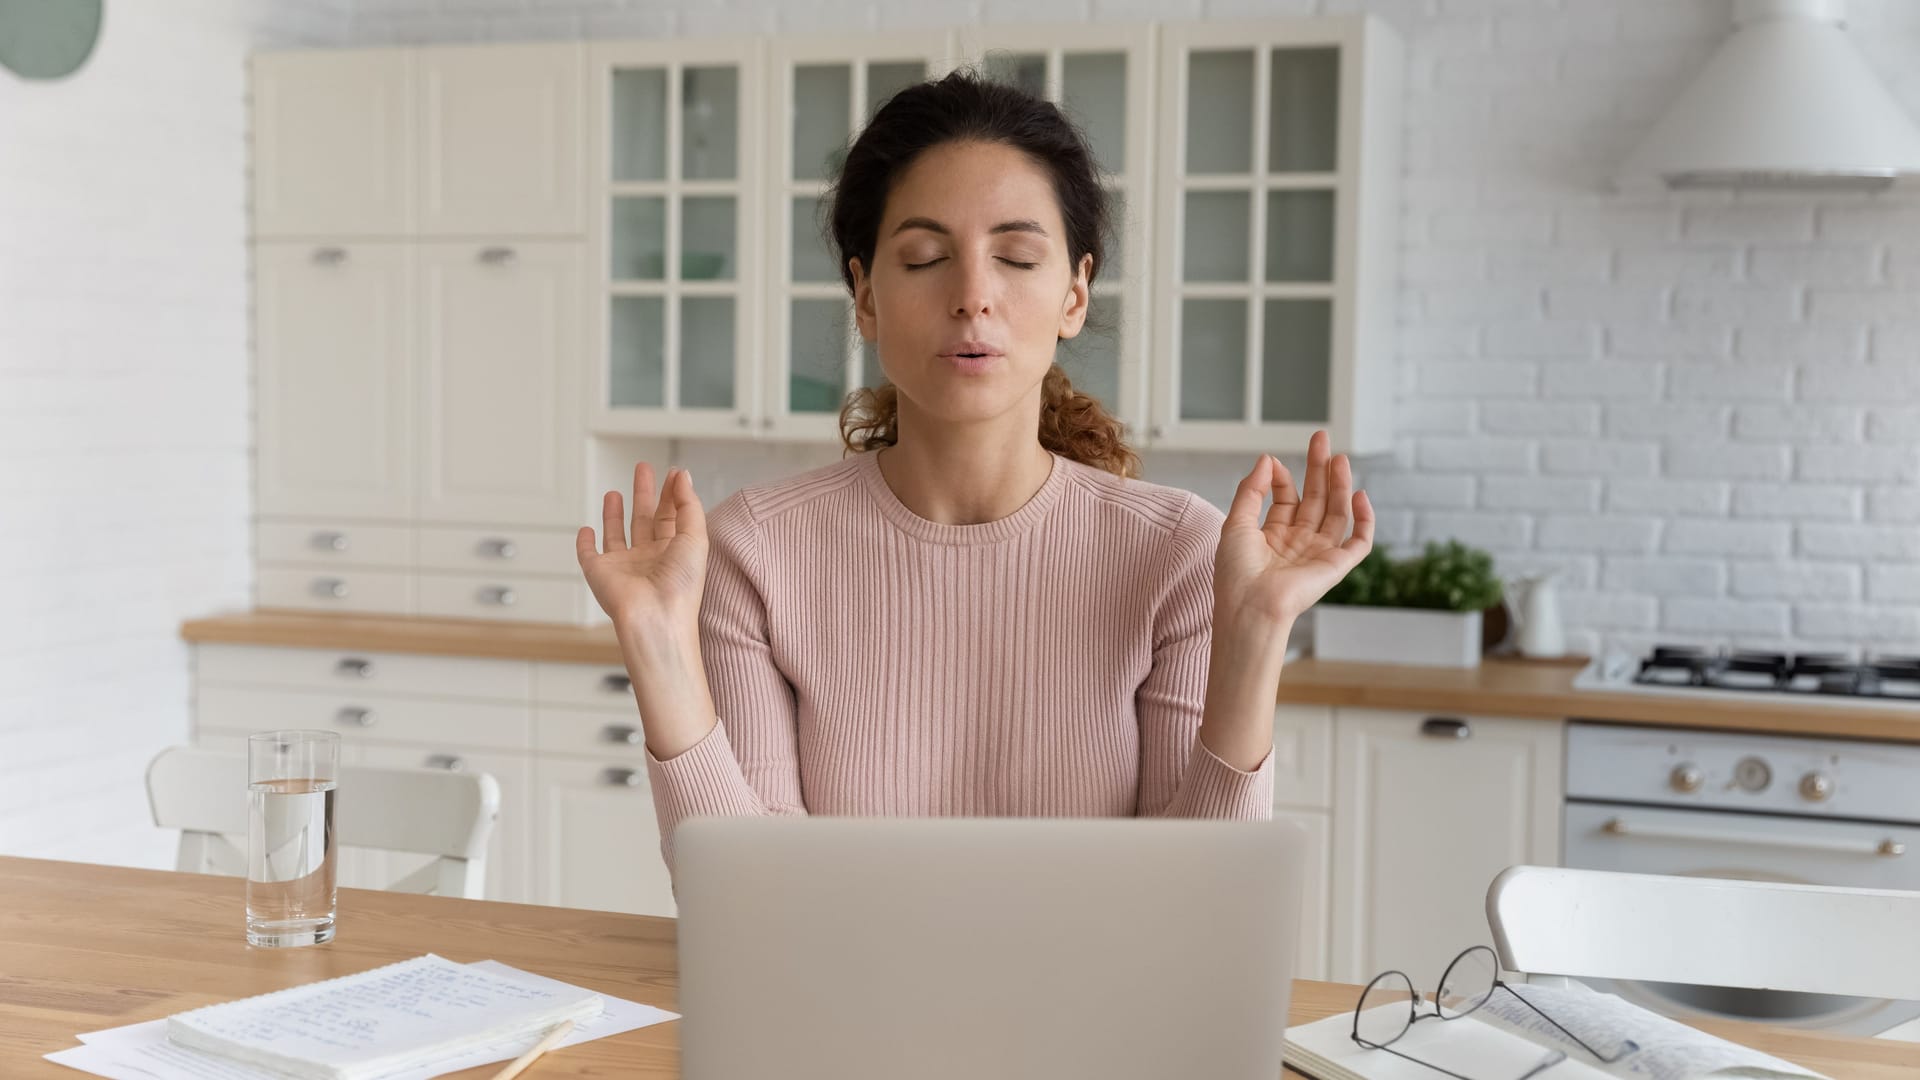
<point x="518" y="1065"/>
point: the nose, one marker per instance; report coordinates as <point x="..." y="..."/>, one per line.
<point x="972" y="283"/>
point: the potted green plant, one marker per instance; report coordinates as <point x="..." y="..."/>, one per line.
<point x="1420" y="610"/>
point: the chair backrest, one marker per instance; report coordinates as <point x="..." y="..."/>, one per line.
<point x="1602" y="924"/>
<point x="417" y="811"/>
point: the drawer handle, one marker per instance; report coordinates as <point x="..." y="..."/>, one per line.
<point x="616" y="683"/>
<point x="330" y="256"/>
<point x="622" y="778"/>
<point x="1445" y="727"/>
<point x="330" y="541"/>
<point x="330" y="588"/>
<point x="498" y="548"/>
<point x="623" y="733"/>
<point x="354" y="666"/>
<point x="498" y="256"/>
<point x="356" y="715"/>
<point x="449" y="762"/>
<point x="497" y="595"/>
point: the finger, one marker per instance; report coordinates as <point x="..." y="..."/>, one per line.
<point x="1286" y="497"/>
<point x="613" y="522"/>
<point x="1248" y="497"/>
<point x="1339" y="499"/>
<point x="1313" y="497"/>
<point x="666" y="510"/>
<point x="1361" y="541"/>
<point x="583" y="545"/>
<point x="643" y="501"/>
<point x="690" y="518"/>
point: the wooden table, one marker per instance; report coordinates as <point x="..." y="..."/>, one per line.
<point x="85" y="947"/>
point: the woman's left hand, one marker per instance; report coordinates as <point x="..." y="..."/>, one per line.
<point x="1265" y="574"/>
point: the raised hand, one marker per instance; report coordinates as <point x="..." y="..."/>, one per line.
<point x="654" y="582"/>
<point x="1265" y="574"/>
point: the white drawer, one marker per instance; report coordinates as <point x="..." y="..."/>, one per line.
<point x="519" y="599"/>
<point x="366" y="719"/>
<point x="334" y="543"/>
<point x="595" y="686"/>
<point x="591" y="732"/>
<point x="498" y="551"/>
<point x="355" y="590"/>
<point x="362" y="672"/>
<point x="1303" y="756"/>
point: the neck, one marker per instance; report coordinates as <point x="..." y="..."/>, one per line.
<point x="963" y="478"/>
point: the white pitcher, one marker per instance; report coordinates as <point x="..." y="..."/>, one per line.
<point x="1534" y="603"/>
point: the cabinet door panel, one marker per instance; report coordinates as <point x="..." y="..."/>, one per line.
<point x="499" y="418"/>
<point x="334" y="379"/>
<point x="1422" y="824"/>
<point x="332" y="143"/>
<point x="598" y="840"/>
<point x="1315" y="929"/>
<point x="500" y="131"/>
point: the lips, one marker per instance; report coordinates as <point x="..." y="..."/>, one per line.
<point x="970" y="349"/>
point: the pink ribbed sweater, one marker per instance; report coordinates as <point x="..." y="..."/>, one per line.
<point x="866" y="661"/>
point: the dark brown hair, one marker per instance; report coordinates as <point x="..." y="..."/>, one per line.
<point x="962" y="107"/>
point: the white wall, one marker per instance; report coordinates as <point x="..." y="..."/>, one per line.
<point x="125" y="426"/>
<point x="1704" y="409"/>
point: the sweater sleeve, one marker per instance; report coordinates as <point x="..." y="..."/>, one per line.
<point x="1179" y="776"/>
<point x="748" y="765"/>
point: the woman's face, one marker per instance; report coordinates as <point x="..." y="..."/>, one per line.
<point x="970" y="288"/>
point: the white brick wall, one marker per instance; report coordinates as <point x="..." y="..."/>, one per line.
<point x="124" y="414"/>
<point x="1703" y="408"/>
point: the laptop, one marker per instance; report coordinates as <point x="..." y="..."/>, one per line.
<point x="936" y="948"/>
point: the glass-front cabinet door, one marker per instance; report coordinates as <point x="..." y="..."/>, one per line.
<point x="1274" y="214"/>
<point x="674" y="183"/>
<point x="1102" y="77"/>
<point x="822" y="92"/>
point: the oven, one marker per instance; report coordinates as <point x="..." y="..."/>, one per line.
<point x="1756" y="807"/>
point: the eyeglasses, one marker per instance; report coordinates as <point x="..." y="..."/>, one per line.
<point x="1465" y="986"/>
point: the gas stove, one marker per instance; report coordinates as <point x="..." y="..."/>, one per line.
<point x="1833" y="679"/>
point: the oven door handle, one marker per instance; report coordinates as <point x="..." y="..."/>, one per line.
<point x="1888" y="848"/>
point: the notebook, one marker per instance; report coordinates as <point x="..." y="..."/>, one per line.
<point x="380" y="1021"/>
<point x="1504" y="1038"/>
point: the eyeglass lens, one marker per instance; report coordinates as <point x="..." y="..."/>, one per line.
<point x="1468" y="982"/>
<point x="1379" y="1026"/>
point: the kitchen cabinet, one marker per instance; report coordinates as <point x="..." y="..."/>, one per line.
<point x="333" y="136"/>
<point x="1302" y="794"/>
<point x="1427" y="809"/>
<point x="500" y="140"/>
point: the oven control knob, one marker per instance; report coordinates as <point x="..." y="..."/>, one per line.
<point x="1815" y="787"/>
<point x="1686" y="779"/>
<point x="1752" y="774"/>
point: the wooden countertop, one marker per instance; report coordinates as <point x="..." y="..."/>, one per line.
<point x="1498" y="687"/>
<point x="90" y="947"/>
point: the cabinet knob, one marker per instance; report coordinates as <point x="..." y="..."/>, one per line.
<point x="1686" y="778"/>
<point x="498" y="596"/>
<point x="625" y="734"/>
<point x="1815" y="787"/>
<point x="355" y="715"/>
<point x="622" y="778"/>
<point x="1445" y="727"/>
<point x="616" y="683"/>
<point x="355" y="667"/>
<point x="744" y="421"/>
<point x="499" y="548"/>
<point x="330" y="588"/>
<point x="330" y="541"/>
<point x="330" y="256"/>
<point x="766" y="423"/>
<point x="498" y="256"/>
<point x="1157" y="431"/>
<point x="449" y="762"/>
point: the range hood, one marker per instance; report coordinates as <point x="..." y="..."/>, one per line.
<point x="1786" y="102"/>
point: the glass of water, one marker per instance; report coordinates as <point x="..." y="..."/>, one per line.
<point x="291" y="776"/>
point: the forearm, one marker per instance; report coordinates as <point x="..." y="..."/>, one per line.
<point x="669" y="686"/>
<point x="1243" y="683"/>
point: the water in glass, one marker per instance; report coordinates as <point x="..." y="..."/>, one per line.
<point x="290" y="862"/>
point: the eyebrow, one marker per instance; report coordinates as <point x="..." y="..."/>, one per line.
<point x="1025" y="225"/>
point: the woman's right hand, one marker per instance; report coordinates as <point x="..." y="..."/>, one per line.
<point x="654" y="582"/>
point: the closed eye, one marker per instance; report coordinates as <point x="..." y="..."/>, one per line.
<point x="1009" y="262"/>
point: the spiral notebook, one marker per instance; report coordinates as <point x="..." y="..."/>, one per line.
<point x="379" y="1021"/>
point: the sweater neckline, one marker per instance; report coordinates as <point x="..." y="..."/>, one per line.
<point x="1030" y="513"/>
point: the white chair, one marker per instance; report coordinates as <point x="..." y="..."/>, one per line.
<point x="1764" y="935"/>
<point x="448" y="815"/>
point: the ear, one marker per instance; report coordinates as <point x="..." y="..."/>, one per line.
<point x="1073" y="310"/>
<point x="863" y="311"/>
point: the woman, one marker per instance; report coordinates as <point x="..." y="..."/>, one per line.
<point x="980" y="612"/>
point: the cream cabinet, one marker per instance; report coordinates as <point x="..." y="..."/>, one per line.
<point x="1302" y="794"/>
<point x="500" y="140"/>
<point x="333" y="143"/>
<point x="1427" y="809"/>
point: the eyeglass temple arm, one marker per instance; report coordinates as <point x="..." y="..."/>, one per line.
<point x="1602" y="1058"/>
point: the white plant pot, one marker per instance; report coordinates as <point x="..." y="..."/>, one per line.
<point x="1391" y="635"/>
